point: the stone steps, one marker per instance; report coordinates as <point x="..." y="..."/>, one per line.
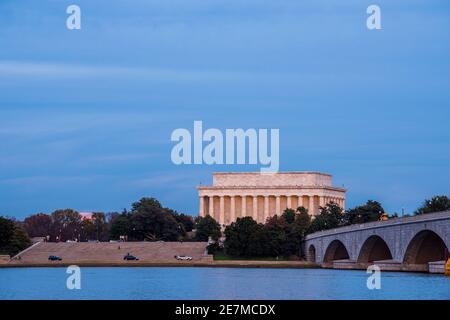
<point x="105" y="251"/>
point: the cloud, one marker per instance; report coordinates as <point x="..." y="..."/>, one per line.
<point x="56" y="123"/>
<point x="39" y="181"/>
<point x="159" y="75"/>
<point x="171" y="180"/>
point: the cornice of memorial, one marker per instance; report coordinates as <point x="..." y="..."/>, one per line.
<point x="271" y="188"/>
<point x="274" y="173"/>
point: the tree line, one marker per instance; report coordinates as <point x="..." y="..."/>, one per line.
<point x="281" y="236"/>
<point x="148" y="220"/>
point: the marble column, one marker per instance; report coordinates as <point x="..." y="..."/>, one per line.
<point x="277" y="205"/>
<point x="311" y="206"/>
<point x="202" y="207"/>
<point x="255" y="208"/>
<point x="222" y="210"/>
<point x="211" y="207"/>
<point x="289" y="202"/>
<point x="243" y="206"/>
<point x="232" y="209"/>
<point x="322" y="201"/>
<point x="300" y="201"/>
<point x="266" y="208"/>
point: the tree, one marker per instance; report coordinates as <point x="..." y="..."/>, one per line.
<point x="38" y="225"/>
<point x="100" y="226"/>
<point x="13" y="239"/>
<point x="19" y="242"/>
<point x="239" y="237"/>
<point x="286" y="233"/>
<point x="149" y="221"/>
<point x="66" y="225"/>
<point x="95" y="228"/>
<point x="331" y="216"/>
<point x="369" y="212"/>
<point x="435" y="204"/>
<point x="277" y="229"/>
<point x="289" y="215"/>
<point x="302" y="221"/>
<point x="259" y="243"/>
<point x="300" y="228"/>
<point x="120" y="226"/>
<point x="6" y="231"/>
<point x="185" y="220"/>
<point x="206" y="227"/>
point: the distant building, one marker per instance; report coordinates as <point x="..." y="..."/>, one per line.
<point x="261" y="195"/>
<point x="86" y="215"/>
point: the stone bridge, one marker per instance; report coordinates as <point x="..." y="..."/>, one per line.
<point x="418" y="243"/>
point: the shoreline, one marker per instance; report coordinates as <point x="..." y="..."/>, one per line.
<point x="245" y="264"/>
<point x="207" y="264"/>
<point x="228" y="264"/>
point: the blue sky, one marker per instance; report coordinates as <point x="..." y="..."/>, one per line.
<point x="86" y="115"/>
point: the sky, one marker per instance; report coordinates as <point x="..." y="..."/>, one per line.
<point x="86" y="115"/>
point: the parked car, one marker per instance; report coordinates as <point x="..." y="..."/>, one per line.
<point x="183" y="258"/>
<point x="54" y="258"/>
<point x="130" y="257"/>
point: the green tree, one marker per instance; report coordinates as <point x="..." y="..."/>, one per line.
<point x="120" y="226"/>
<point x="287" y="232"/>
<point x="302" y="221"/>
<point x="300" y="228"/>
<point x="6" y="232"/>
<point x="435" y="204"/>
<point x="185" y="220"/>
<point x="19" y="242"/>
<point x="13" y="239"/>
<point x="149" y="221"/>
<point x="331" y="216"/>
<point x="289" y="215"/>
<point x="277" y="229"/>
<point x="259" y="243"/>
<point x="369" y="212"/>
<point x="239" y="236"/>
<point x="206" y="227"/>
<point x="302" y="210"/>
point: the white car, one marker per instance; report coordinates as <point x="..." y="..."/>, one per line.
<point x="184" y="258"/>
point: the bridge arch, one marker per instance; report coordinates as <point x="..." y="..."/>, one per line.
<point x="374" y="249"/>
<point x="312" y="253"/>
<point x="336" y="250"/>
<point x="424" y="247"/>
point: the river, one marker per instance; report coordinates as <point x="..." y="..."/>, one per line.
<point x="217" y="283"/>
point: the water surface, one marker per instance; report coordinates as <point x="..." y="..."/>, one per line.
<point x="217" y="283"/>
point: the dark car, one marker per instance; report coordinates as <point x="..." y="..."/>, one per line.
<point x="54" y="258"/>
<point x="130" y="257"/>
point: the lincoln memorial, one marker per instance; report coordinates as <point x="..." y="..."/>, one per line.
<point x="261" y="195"/>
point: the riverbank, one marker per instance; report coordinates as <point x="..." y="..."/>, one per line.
<point x="205" y="264"/>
